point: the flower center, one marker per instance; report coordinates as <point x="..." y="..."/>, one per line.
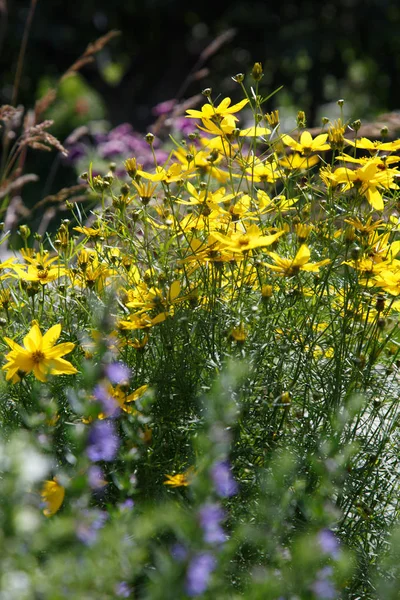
<point x="38" y="356"/>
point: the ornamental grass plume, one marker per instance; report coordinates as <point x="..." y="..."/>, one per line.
<point x="39" y="354"/>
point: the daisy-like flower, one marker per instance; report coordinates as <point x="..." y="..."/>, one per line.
<point x="306" y="145"/>
<point x="209" y="111"/>
<point x="291" y="266"/>
<point x="39" y="354"/>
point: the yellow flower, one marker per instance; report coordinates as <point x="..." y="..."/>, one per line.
<point x="39" y="355"/>
<point x="291" y="266"/>
<point x="373" y="147"/>
<point x="208" y="111"/>
<point x="173" y="173"/>
<point x="296" y="161"/>
<point x="240" y="241"/>
<point x="180" y="479"/>
<point x="53" y="496"/>
<point x="255" y="131"/>
<point x="367" y="179"/>
<point x="307" y="144"/>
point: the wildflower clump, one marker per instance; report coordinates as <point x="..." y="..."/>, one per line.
<point x="231" y="312"/>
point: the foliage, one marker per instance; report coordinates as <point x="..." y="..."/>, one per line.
<point x="226" y="423"/>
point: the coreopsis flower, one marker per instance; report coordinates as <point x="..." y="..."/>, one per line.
<point x="306" y="145"/>
<point x="255" y="131"/>
<point x="93" y="232"/>
<point x="210" y="112"/>
<point x="145" y="191"/>
<point x="244" y="241"/>
<point x="52" y="496"/>
<point x="291" y="266"/>
<point x="39" y="354"/>
<point x="266" y="171"/>
<point x="367" y="179"/>
<point x="389" y="281"/>
<point x="173" y="173"/>
<point x="41" y="269"/>
<point x="180" y="479"/>
<point x="297" y="161"/>
<point x="373" y="147"/>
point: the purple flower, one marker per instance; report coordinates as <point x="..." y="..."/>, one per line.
<point x="87" y="530"/>
<point x="163" y="108"/>
<point x="122" y="590"/>
<point x="211" y="516"/>
<point x="108" y="404"/>
<point x="328" y="543"/>
<point x="179" y="552"/>
<point x="128" y="504"/>
<point x="96" y="478"/>
<point x="103" y="442"/>
<point x="323" y="588"/>
<point x="224" y="483"/>
<point x="118" y="373"/>
<point x="198" y="574"/>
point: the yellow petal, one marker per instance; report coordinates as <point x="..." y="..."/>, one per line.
<point x="60" y="366"/>
<point x="174" y="290"/>
<point x="374" y="198"/>
<point x="33" y="340"/>
<point x="306" y="139"/>
<point x="302" y="256"/>
<point x="60" y="350"/>
<point x="51" y="336"/>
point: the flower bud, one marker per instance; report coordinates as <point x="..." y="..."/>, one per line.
<point x="24" y="231"/>
<point x="257" y="71"/>
<point x="301" y="119"/>
<point x="238" y="78"/>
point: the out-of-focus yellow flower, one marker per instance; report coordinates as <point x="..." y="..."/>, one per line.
<point x="180" y="479"/>
<point x="53" y="496"/>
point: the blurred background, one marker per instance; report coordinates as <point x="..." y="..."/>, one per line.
<point x="318" y="51"/>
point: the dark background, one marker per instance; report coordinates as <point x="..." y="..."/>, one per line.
<point x="319" y="52"/>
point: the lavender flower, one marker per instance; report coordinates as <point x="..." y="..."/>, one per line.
<point x="122" y="590"/>
<point x="103" y="442"/>
<point x="108" y="404"/>
<point x="118" y="373"/>
<point x="328" y="543"/>
<point x="163" y="108"/>
<point x="179" y="552"/>
<point x="323" y="588"/>
<point x="198" y="574"/>
<point x="87" y="530"/>
<point x="224" y="483"/>
<point x="127" y="505"/>
<point x="211" y="516"/>
<point x="96" y="477"/>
